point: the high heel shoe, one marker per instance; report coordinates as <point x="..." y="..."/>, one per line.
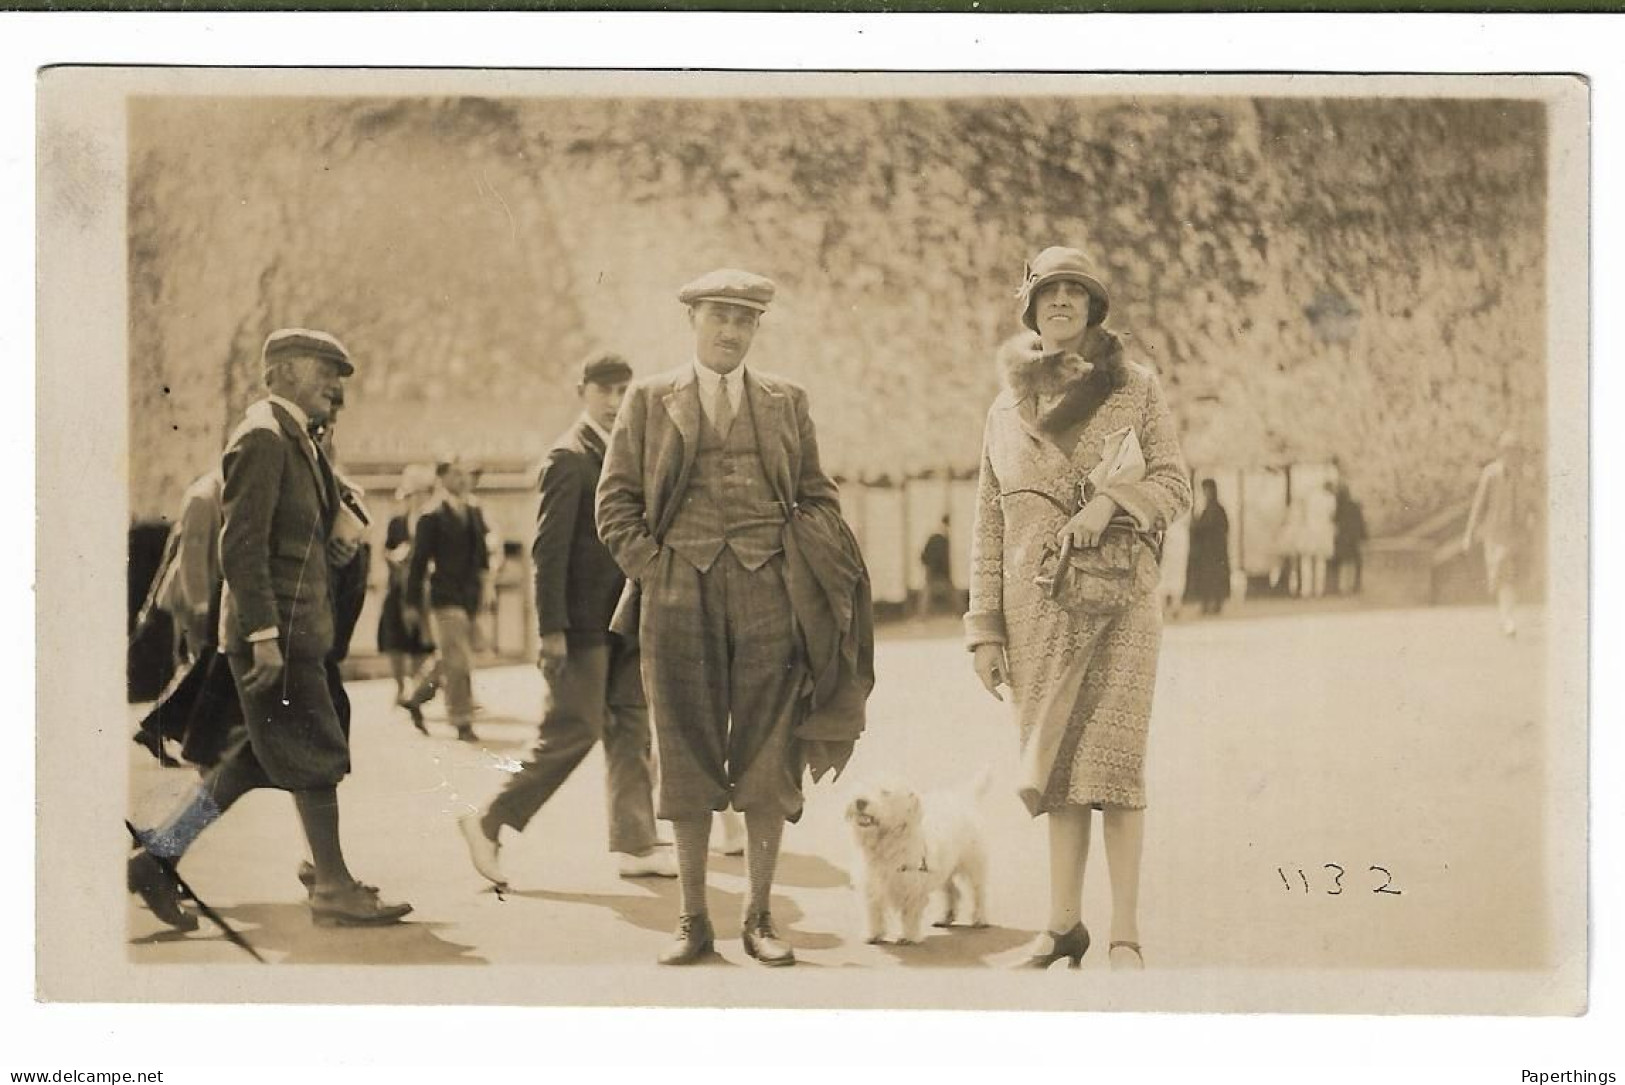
<point x="1073" y="945"/>
<point x="1124" y="963"/>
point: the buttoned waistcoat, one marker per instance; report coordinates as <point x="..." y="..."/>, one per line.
<point x="652" y="452"/>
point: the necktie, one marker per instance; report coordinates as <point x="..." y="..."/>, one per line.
<point x="330" y="486"/>
<point x="725" y="407"/>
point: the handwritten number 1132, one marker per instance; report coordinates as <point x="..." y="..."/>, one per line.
<point x="1383" y="881"/>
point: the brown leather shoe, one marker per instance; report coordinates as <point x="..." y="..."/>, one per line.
<point x="354" y="905"/>
<point x="307" y="878"/>
<point x="158" y="891"/>
<point x="762" y="941"/>
<point x="694" y="941"/>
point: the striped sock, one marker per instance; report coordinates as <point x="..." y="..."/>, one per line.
<point x="763" y="832"/>
<point x="693" y="837"/>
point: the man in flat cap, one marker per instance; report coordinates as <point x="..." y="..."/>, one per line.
<point x="594" y="690"/>
<point x="708" y="466"/>
<point x="279" y="553"/>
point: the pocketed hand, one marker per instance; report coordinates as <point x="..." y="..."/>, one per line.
<point x="653" y="564"/>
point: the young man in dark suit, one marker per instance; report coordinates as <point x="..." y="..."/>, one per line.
<point x="279" y="554"/>
<point x="594" y="690"/>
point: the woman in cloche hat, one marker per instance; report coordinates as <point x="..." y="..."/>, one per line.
<point x="1081" y="675"/>
<point x="407" y="648"/>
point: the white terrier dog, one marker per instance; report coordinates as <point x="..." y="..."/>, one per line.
<point x="912" y="847"/>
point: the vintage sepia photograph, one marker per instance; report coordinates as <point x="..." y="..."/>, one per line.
<point x="960" y="541"/>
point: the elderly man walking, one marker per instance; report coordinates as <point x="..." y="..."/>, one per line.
<point x="280" y="556"/>
<point x="713" y="502"/>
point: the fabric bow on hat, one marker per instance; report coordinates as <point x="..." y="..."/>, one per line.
<point x="1027" y="278"/>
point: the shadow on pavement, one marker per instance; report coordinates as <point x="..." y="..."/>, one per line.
<point x="487" y="741"/>
<point x="656" y="910"/>
<point x="286" y="929"/>
<point x="958" y="947"/>
<point x="169" y="934"/>
<point x="498" y="719"/>
<point x="809" y="872"/>
<point x="653" y="910"/>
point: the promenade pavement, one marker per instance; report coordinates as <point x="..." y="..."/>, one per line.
<point x="1355" y="789"/>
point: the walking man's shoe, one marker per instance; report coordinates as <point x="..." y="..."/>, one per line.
<point x="657" y="863"/>
<point x="354" y="905"/>
<point x="158" y="891"/>
<point x="762" y="941"/>
<point x="694" y="942"/>
<point x="414" y="710"/>
<point x="482" y="850"/>
<point x="307" y="877"/>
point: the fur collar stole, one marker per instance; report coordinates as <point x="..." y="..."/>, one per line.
<point x="1066" y="389"/>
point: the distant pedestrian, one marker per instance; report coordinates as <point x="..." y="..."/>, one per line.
<point x="1497" y="521"/>
<point x="1316" y="539"/>
<point x="1208" y="579"/>
<point x="190" y="589"/>
<point x="1176" y="550"/>
<point x="187" y="588"/>
<point x="449" y="555"/>
<point x="935" y="560"/>
<point x="496" y="557"/>
<point x="407" y="649"/>
<point x="1348" y="550"/>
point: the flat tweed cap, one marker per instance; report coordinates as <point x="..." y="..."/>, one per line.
<point x="730" y="286"/>
<point x="605" y="368"/>
<point x="306" y="341"/>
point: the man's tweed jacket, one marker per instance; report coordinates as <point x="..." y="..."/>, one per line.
<point x="278" y="504"/>
<point x="646" y="473"/>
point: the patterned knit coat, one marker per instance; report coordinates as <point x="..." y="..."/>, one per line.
<point x="1082" y="686"/>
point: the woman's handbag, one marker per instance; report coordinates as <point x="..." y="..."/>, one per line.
<point x="1104" y="579"/>
<point x="1107" y="578"/>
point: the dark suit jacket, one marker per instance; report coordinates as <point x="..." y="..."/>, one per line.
<point x="577" y="580"/>
<point x="200" y="709"/>
<point x="278" y="505"/>
<point x="456" y="549"/>
<point x="651" y="456"/>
